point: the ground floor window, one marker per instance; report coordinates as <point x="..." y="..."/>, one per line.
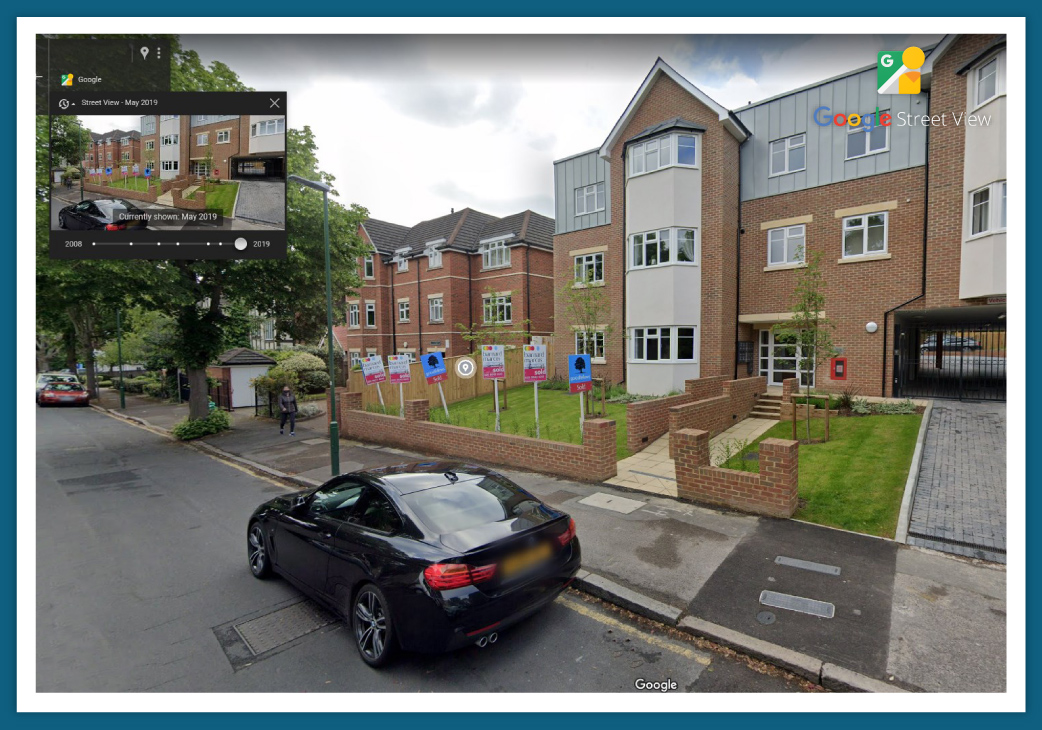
<point x="656" y="344"/>
<point x="590" y="343"/>
<point x="411" y="354"/>
<point x="779" y="358"/>
<point x="498" y="309"/>
<point x="356" y="358"/>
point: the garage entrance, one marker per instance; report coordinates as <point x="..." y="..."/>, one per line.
<point x="953" y="353"/>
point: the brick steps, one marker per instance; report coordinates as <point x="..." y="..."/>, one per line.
<point x="767" y="406"/>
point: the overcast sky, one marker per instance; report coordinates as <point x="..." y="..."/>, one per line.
<point x="412" y="126"/>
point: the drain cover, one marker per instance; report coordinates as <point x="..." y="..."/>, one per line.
<point x="797" y="603"/>
<point x="274" y="629"/>
<point x="765" y="617"/>
<point x="807" y="565"/>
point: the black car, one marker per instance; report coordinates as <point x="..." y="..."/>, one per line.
<point x="950" y="342"/>
<point x="428" y="557"/>
<point x="100" y="215"/>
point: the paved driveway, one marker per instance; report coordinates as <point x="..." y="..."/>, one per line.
<point x="264" y="202"/>
<point x="960" y="501"/>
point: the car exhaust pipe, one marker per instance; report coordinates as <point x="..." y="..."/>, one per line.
<point x="482" y="642"/>
<point x="493" y="638"/>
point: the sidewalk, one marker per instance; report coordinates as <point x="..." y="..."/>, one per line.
<point x="900" y="616"/>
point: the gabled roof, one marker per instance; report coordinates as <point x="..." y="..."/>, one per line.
<point x="933" y="56"/>
<point x="461" y="230"/>
<point x="729" y="120"/>
<point x="674" y="123"/>
<point x="243" y="356"/>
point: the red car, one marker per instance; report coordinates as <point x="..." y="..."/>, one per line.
<point x="64" y="394"/>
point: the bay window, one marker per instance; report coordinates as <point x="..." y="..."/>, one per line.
<point x="669" y="245"/>
<point x="666" y="151"/>
<point x="663" y="344"/>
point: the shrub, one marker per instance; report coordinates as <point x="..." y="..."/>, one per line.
<point x="846" y="398"/>
<point x="216" y="422"/>
<point x="860" y="406"/>
<point x="302" y="362"/>
<point x="309" y="410"/>
<point x="314" y="381"/>
<point x="155" y="389"/>
<point x="554" y="383"/>
<point x="274" y="380"/>
<point x="104" y="383"/>
<point x="900" y="408"/>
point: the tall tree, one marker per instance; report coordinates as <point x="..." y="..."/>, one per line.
<point x="808" y="329"/>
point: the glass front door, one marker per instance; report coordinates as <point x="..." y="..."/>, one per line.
<point x="779" y="356"/>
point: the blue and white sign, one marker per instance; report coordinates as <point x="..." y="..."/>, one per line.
<point x="108" y="170"/>
<point x="434" y="367"/>
<point x="148" y="172"/>
<point x="580" y="379"/>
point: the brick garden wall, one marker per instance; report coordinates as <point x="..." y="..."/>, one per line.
<point x="732" y="401"/>
<point x="593" y="461"/>
<point x="772" y="492"/>
<point x="649" y="419"/>
<point x="105" y="189"/>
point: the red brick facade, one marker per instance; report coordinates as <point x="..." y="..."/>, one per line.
<point x="721" y="404"/>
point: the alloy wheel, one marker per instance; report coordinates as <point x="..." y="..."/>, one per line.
<point x="257" y="554"/>
<point x="370" y="625"/>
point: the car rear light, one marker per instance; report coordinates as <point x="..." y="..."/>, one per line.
<point x="116" y="227"/>
<point x="446" y="576"/>
<point x="568" y="535"/>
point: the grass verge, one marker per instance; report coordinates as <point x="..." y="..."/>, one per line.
<point x="221" y="197"/>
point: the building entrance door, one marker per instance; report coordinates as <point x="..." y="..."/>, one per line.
<point x="779" y="357"/>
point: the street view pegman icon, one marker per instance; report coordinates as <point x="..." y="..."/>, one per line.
<point x="899" y="74"/>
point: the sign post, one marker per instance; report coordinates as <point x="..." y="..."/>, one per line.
<point x="398" y="366"/>
<point x="535" y="373"/>
<point x="435" y="372"/>
<point x="373" y="372"/>
<point x="493" y="367"/>
<point x="579" y="381"/>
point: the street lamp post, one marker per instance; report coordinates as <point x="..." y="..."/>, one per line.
<point x="119" y="357"/>
<point x="334" y="427"/>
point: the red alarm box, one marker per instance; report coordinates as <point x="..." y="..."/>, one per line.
<point x="839" y="368"/>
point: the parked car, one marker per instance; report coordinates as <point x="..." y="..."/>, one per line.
<point x="43" y="379"/>
<point x="426" y="557"/>
<point x="63" y="394"/>
<point x="950" y="342"/>
<point x="98" y="215"/>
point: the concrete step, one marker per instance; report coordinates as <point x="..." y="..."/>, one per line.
<point x="772" y="415"/>
<point x="771" y="398"/>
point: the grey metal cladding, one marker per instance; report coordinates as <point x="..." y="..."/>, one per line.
<point x="574" y="172"/>
<point x="826" y="146"/>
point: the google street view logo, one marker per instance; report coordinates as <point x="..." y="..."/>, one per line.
<point x="899" y="74"/>
<point x="66" y="79"/>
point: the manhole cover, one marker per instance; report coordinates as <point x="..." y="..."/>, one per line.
<point x="797" y="603"/>
<point x="765" y="617"/>
<point x="272" y="630"/>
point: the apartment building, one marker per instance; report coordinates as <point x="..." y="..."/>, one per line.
<point x="468" y="267"/>
<point x="227" y="147"/>
<point x="699" y="220"/>
<point x="113" y="149"/>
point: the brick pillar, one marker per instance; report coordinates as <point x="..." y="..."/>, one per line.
<point x="780" y="475"/>
<point x="691" y="447"/>
<point x="340" y="393"/>
<point x="599" y="449"/>
<point x="788" y="387"/>
<point x="417" y="410"/>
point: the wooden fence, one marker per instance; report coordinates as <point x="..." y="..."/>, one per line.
<point x="456" y="388"/>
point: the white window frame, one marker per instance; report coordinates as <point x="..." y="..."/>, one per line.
<point x="126" y="156"/>
<point x="355" y="357"/>
<point x="500" y="302"/>
<point x="978" y="76"/>
<point x="672" y="248"/>
<point x="226" y="134"/>
<point x="639" y="152"/>
<point x="788" y="232"/>
<point x="268" y="127"/>
<point x="124" y="140"/>
<point x="202" y="138"/>
<point x="353" y="320"/>
<point x="149" y="126"/>
<point x="996" y="203"/>
<point x="403" y="311"/>
<point x="864" y="227"/>
<point x="790" y="144"/>
<point x="862" y="129"/>
<point x="984" y="203"/>
<point x="403" y="264"/>
<point x="169" y="140"/>
<point x="436" y="309"/>
<point x="370" y="314"/>
<point x="369" y="267"/>
<point x="170" y="165"/>
<point x="582" y="341"/>
<point x="495" y="255"/>
<point x="433" y="258"/>
<point x="589" y="263"/>
<point x="582" y="195"/>
<point x="641" y="337"/>
<point x="150" y="144"/>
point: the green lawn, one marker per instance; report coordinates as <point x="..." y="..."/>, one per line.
<point x="221" y="197"/>
<point x="558" y="415"/>
<point x="857" y="479"/>
<point x="133" y="183"/>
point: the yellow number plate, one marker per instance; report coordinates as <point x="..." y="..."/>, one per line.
<point x="525" y="559"/>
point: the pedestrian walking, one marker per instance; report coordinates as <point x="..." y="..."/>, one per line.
<point x="288" y="406"/>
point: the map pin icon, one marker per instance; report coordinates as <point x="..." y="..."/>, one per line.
<point x="144" y="52"/>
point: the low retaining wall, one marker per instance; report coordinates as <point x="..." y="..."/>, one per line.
<point x="801" y="411"/>
<point x="105" y="189"/>
<point x="772" y="492"/>
<point x="715" y="414"/>
<point x="198" y="201"/>
<point x="592" y="461"/>
<point x="647" y="420"/>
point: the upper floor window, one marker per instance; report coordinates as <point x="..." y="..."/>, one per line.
<point x="150" y="144"/>
<point x="126" y="155"/>
<point x="861" y="141"/>
<point x="168" y="117"/>
<point x="370" y="314"/>
<point x="403" y="264"/>
<point x="987" y="81"/>
<point x="864" y="235"/>
<point x="494" y="255"/>
<point x="589" y="199"/>
<point x="498" y="309"/>
<point x="433" y="258"/>
<point x="170" y="139"/>
<point x="269" y="329"/>
<point x="224" y="136"/>
<point x="656" y="248"/>
<point x="436" y="308"/>
<point x="202" y="139"/>
<point x="268" y="126"/>
<point x="789" y="155"/>
<point x="403" y="311"/>
<point x="148" y="126"/>
<point x="352" y="315"/>
<point x="369" y="267"/>
<point x="589" y="268"/>
<point x="786" y="245"/>
<point x="124" y="140"/>
<point x="985" y="217"/>
<point x="654" y="154"/>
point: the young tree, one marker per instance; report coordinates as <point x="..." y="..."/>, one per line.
<point x="208" y="161"/>
<point x="496" y="329"/>
<point x="809" y="330"/>
<point x="585" y="304"/>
